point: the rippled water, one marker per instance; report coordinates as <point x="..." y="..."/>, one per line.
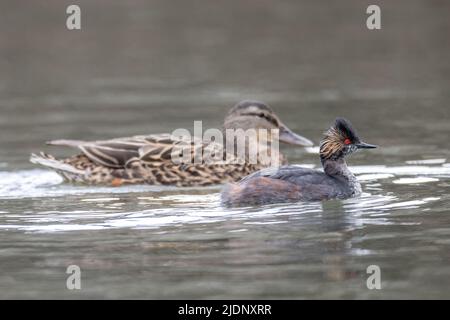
<point x="163" y="242"/>
<point x="158" y="69"/>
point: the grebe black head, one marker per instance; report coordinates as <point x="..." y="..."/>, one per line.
<point x="294" y="183"/>
<point x="341" y="140"/>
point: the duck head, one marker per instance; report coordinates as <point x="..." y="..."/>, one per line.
<point x="251" y="114"/>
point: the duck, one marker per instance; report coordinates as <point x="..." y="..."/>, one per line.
<point x="147" y="159"/>
<point x="293" y="183"/>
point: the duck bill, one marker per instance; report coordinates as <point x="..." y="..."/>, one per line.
<point x="287" y="136"/>
<point x="363" y="145"/>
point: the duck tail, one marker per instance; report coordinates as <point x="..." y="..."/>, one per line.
<point x="66" y="170"/>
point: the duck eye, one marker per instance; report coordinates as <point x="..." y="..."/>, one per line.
<point x="347" y="141"/>
<point x="268" y="118"/>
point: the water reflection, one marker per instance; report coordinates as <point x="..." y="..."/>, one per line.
<point x="186" y="238"/>
<point x="158" y="207"/>
<point x="160" y="66"/>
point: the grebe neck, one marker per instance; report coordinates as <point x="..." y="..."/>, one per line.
<point x="336" y="168"/>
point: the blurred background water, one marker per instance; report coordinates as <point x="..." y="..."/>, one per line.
<point x="140" y="67"/>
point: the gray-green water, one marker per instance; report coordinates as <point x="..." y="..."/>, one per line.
<point x="153" y="66"/>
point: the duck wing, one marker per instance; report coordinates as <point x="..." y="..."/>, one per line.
<point x="116" y="153"/>
<point x="159" y="147"/>
<point x="112" y="153"/>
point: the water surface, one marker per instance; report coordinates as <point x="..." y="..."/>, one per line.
<point x="147" y="67"/>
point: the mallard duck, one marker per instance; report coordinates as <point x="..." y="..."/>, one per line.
<point x="147" y="159"/>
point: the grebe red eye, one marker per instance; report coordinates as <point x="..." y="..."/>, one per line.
<point x="347" y="141"/>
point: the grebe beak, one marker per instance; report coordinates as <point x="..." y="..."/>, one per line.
<point x="290" y="137"/>
<point x="363" y="145"/>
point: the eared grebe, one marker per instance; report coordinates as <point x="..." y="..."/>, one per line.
<point x="148" y="159"/>
<point x="294" y="183"/>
